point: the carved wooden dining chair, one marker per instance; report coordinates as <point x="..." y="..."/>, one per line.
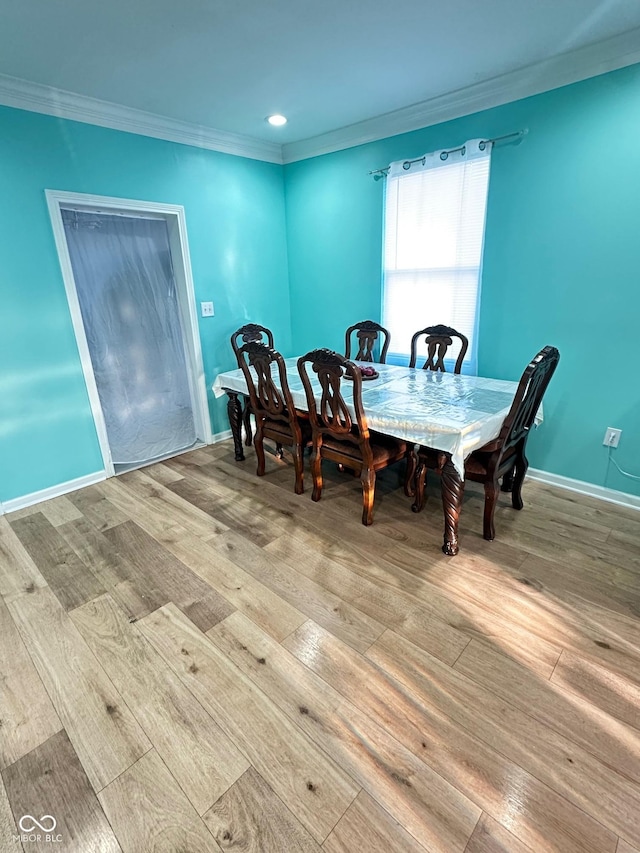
<point x="367" y="333"/>
<point x="438" y="340"/>
<point x="336" y="435"/>
<point x="243" y="335"/>
<point x="505" y="455"/>
<point x="272" y="406"/>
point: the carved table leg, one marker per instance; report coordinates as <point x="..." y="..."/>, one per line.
<point x="452" y="492"/>
<point x="246" y="417"/>
<point x="234" y="410"/>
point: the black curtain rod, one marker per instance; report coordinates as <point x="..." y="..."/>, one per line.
<point x="445" y="154"/>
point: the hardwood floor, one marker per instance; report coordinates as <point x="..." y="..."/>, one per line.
<point x="195" y="659"/>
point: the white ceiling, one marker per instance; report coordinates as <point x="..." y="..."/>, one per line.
<point x="226" y="64"/>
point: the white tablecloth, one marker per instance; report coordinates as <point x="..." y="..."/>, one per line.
<point x="457" y="414"/>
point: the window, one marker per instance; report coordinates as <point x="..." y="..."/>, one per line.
<point x="434" y="232"/>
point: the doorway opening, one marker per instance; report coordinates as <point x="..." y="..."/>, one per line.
<point x="127" y="276"/>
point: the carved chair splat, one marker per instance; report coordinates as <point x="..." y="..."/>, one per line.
<point x="367" y="333"/>
<point x="438" y="339"/>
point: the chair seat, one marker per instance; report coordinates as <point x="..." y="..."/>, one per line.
<point x="281" y="432"/>
<point x="385" y="448"/>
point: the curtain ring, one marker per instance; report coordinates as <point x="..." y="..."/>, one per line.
<point x="444" y="155"/>
<point x="482" y="145"/>
<point x="463" y="150"/>
<point x="406" y="165"/>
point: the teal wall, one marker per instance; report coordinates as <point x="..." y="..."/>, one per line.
<point x="561" y="264"/>
<point x="236" y="228"/>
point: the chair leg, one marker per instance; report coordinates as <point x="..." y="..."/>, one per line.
<point x="368" y="478"/>
<point x="258" y="443"/>
<point x="298" y="462"/>
<point x="420" y="485"/>
<point x="491" y="492"/>
<point x="279" y="452"/>
<point x="316" y="472"/>
<point x="520" y="471"/>
<point x="409" y="477"/>
<point x="246" y="418"/>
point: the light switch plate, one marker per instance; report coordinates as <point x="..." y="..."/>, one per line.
<point x="207" y="309"/>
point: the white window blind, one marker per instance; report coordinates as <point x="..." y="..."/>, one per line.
<point x="434" y="233"/>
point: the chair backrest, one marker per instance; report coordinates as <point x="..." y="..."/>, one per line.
<point x="332" y="417"/>
<point x="269" y="401"/>
<point x="438" y="340"/>
<point x="368" y="332"/>
<point x="250" y="332"/>
<point x="528" y="397"/>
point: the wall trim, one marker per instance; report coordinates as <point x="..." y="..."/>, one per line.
<point x="54" y="491"/>
<point x="583" y="488"/>
<point x="220" y="436"/>
<point x="37" y="98"/>
<point x="571" y="67"/>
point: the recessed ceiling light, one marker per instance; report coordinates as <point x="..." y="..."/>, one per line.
<point x="277" y="120"/>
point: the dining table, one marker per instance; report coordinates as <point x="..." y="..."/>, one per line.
<point x="454" y="414"/>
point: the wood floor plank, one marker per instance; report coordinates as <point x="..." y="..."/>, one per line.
<point x="600" y="687"/>
<point x="569" y="622"/>
<point x="102" y="730"/>
<point x="432" y="810"/>
<point x="18" y="572"/>
<point x="614" y="743"/>
<point x="543" y="621"/>
<point x="156" y="499"/>
<point x="564" y="766"/>
<point x="623" y="847"/>
<point x="391" y="608"/>
<point x="8" y="826"/>
<point x="272" y="613"/>
<point x="59" y="510"/>
<point x="27" y="717"/>
<point x="67" y="575"/>
<point x="150" y="814"/>
<point x="95" y="507"/>
<point x="414" y="607"/>
<point x="540" y="817"/>
<point x="98" y="554"/>
<point x="491" y="837"/>
<point x="159" y="578"/>
<point x="163" y="474"/>
<point x="310" y="598"/>
<point x="231" y="514"/>
<point x="50" y="780"/>
<point x="316" y="790"/>
<point x="250" y="818"/>
<point x="366" y="826"/>
<point x="199" y="755"/>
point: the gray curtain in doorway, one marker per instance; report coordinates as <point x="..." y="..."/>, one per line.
<point x="126" y="289"/>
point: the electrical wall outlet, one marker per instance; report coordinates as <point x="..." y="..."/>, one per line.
<point x="612" y="437"/>
<point x="207" y="309"/>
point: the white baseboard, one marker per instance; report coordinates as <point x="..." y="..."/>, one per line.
<point x="220" y="436"/>
<point x="52" y="492"/>
<point x="582" y="488"/>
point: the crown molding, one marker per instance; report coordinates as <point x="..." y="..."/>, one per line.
<point x="589" y="61"/>
<point x="35" y="97"/>
<point x="562" y="70"/>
